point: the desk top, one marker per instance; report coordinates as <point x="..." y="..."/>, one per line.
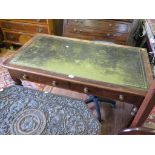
<point x="115" y="64"/>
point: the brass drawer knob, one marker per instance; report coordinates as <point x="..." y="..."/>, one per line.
<point x="134" y="111"/>
<point x="39" y="29"/>
<point x="75" y="30"/>
<point x="109" y="35"/>
<point x="53" y="83"/>
<point x="25" y="76"/>
<point x="121" y="97"/>
<point x="85" y="90"/>
<point x="110" y="25"/>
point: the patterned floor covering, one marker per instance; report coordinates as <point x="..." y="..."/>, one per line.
<point x="6" y="81"/>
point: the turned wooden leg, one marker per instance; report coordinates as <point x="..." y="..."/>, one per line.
<point x="16" y="80"/>
<point x="15" y="77"/>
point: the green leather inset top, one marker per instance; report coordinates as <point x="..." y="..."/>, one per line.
<point x="86" y="59"/>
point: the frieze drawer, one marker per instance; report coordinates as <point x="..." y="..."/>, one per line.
<point x="37" y="21"/>
<point x="95" y="29"/>
<point x="26" y="27"/>
<point x="16" y="37"/>
<point x="19" y="31"/>
<point x="104" y="25"/>
<point x="119" y="38"/>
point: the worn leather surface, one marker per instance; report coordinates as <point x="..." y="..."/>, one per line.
<point x="101" y="62"/>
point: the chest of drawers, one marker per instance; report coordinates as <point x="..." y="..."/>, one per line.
<point x="19" y="31"/>
<point x="94" y="29"/>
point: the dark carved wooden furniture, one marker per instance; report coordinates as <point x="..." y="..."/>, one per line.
<point x="149" y="26"/>
<point x="26" y="111"/>
<point x="19" y="31"/>
<point x="147" y="39"/>
<point x="114" y="72"/>
<point x="116" y="31"/>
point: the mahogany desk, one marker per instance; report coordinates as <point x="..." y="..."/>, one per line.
<point x="111" y="71"/>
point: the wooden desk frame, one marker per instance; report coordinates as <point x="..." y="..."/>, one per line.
<point x="112" y="91"/>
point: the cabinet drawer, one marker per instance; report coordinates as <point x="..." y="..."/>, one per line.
<point x="100" y="25"/>
<point x="18" y="38"/>
<point x="35" y="21"/>
<point x="39" y="79"/>
<point x="79" y="36"/>
<point x="26" y="27"/>
<point x="89" y="31"/>
<point x="120" y="38"/>
<point x="79" y="87"/>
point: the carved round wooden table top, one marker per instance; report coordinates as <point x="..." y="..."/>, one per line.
<point x="25" y="111"/>
<point x="29" y="122"/>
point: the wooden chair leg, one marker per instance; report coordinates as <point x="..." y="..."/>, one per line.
<point x="146" y="107"/>
<point x="138" y="131"/>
